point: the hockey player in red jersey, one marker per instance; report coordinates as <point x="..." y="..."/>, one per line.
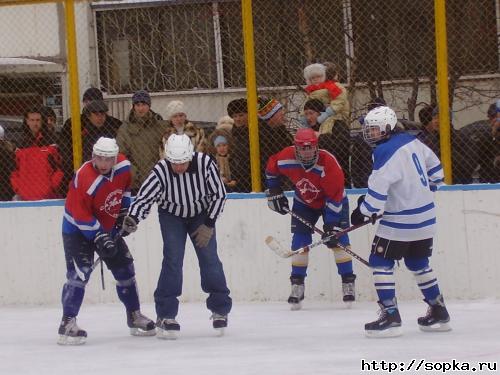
<point x="98" y="192"/>
<point x="319" y="191"/>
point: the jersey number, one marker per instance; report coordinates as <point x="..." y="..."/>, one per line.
<point x="423" y="177"/>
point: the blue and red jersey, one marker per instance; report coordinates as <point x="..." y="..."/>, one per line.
<point x="94" y="200"/>
<point x="319" y="187"/>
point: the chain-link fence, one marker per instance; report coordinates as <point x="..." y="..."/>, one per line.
<point x="188" y="56"/>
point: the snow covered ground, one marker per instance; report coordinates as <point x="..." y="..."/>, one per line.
<point x="262" y="338"/>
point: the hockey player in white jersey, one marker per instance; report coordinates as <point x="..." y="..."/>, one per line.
<point x="400" y="187"/>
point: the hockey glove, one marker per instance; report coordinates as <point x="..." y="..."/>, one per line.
<point x="330" y="230"/>
<point x="277" y="201"/>
<point x="105" y="246"/>
<point x="120" y="217"/>
<point x="357" y="217"/>
<point x="202" y="235"/>
<point x="129" y="225"/>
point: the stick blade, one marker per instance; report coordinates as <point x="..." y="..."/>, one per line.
<point x="276" y="247"/>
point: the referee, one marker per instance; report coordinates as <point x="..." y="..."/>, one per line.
<point x="190" y="196"/>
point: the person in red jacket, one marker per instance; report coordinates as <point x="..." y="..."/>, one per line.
<point x="38" y="173"/>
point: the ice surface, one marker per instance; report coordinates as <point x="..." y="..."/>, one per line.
<point x="262" y="338"/>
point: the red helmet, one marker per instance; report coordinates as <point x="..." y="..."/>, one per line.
<point x="306" y="146"/>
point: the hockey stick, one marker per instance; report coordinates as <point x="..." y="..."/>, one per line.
<point x="275" y="246"/>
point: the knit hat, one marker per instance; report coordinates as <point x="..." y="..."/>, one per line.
<point x="268" y="108"/>
<point x="237" y="106"/>
<point x="48" y="112"/>
<point x="315" y="105"/>
<point x="492" y="110"/>
<point x="96" y="106"/>
<point x="425" y="115"/>
<point x="2" y="133"/>
<point x="174" y="107"/>
<point x="225" y="122"/>
<point x="92" y="93"/>
<point x="314" y="70"/>
<point x="220" y="139"/>
<point x="141" y="96"/>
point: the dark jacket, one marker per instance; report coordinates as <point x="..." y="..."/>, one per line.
<point x="90" y="135"/>
<point x="271" y="140"/>
<point x="8" y="164"/>
<point x="463" y="154"/>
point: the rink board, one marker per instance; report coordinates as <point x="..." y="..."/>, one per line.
<point x="466" y="253"/>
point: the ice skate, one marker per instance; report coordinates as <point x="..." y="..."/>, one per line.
<point x="387" y="325"/>
<point x="167" y="329"/>
<point x="437" y="317"/>
<point x="70" y="333"/>
<point x="219" y="323"/>
<point x="139" y="324"/>
<point x="348" y="290"/>
<point x="297" y="294"/>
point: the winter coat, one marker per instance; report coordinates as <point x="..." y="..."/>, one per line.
<point x="138" y="139"/>
<point x="463" y="155"/>
<point x="90" y="135"/>
<point x="271" y="140"/>
<point x="8" y="164"/>
<point x="339" y="103"/>
<point x="38" y="174"/>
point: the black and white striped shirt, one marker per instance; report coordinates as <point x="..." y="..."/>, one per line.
<point x="199" y="189"/>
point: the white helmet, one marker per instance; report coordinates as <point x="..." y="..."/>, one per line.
<point x="106" y="147"/>
<point x="378" y="124"/>
<point x="179" y="149"/>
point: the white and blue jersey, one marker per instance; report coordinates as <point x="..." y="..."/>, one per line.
<point x="400" y="187"/>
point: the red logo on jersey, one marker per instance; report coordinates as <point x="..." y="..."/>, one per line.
<point x="308" y="192"/>
<point x="113" y="203"/>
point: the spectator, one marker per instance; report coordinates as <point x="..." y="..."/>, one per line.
<point x="8" y="163"/>
<point x="177" y="118"/>
<point x="97" y="124"/>
<point x="488" y="147"/>
<point x="225" y="123"/>
<point x="65" y="139"/>
<point x="50" y="118"/>
<point x="138" y="137"/>
<point x="463" y="156"/>
<point x="237" y="110"/>
<point x="331" y="93"/>
<point x="335" y="140"/>
<point x="38" y="173"/>
<point x="220" y="149"/>
<point x="273" y="134"/>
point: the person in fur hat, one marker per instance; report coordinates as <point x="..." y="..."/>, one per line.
<point x="322" y="84"/>
<point x="177" y="118"/>
<point x="225" y="123"/>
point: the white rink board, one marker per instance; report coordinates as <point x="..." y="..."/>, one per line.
<point x="466" y="254"/>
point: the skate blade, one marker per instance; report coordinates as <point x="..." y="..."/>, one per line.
<point x="438" y="327"/>
<point x="219" y="332"/>
<point x="348" y="304"/>
<point x="69" y="340"/>
<point x="166" y="335"/>
<point x="295" y="306"/>
<point x="389" y="332"/>
<point x="141" y="332"/>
